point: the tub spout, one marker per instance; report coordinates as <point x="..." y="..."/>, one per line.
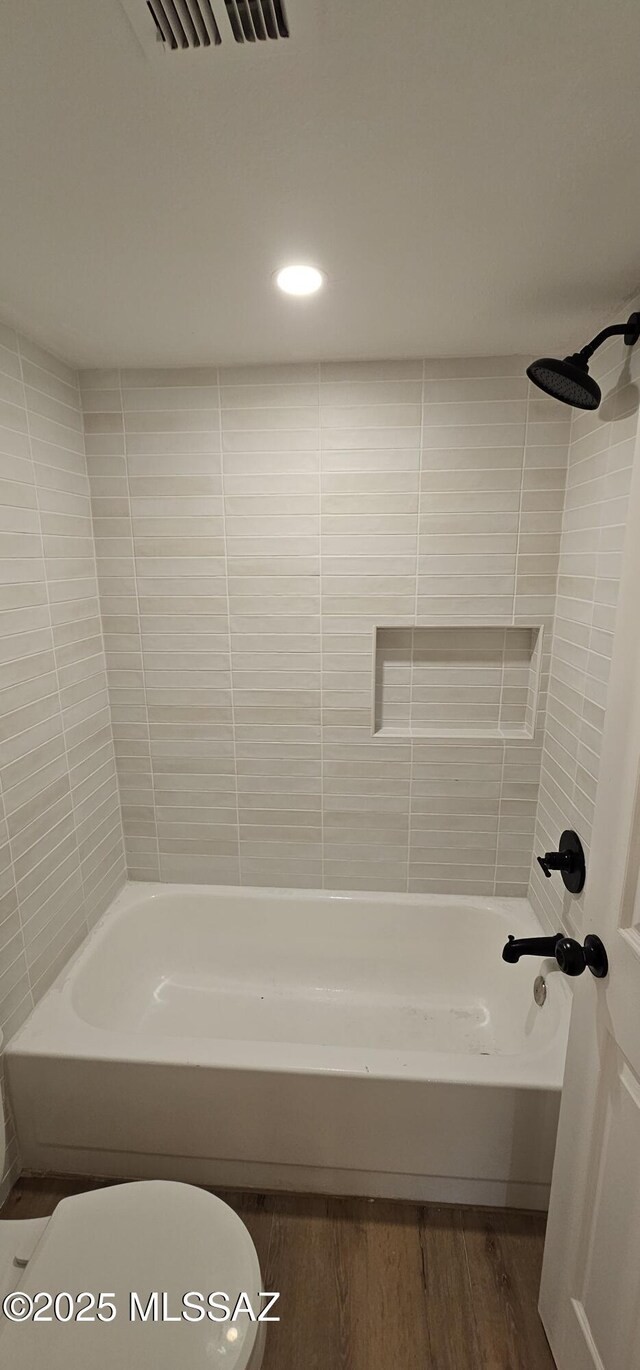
<point x="530" y="946"/>
<point x="571" y="957"/>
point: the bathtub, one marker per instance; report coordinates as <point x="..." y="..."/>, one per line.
<point x="371" y="1044"/>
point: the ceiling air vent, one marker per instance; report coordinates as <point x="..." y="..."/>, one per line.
<point x="257" y="20"/>
<point x="184" y="23"/>
<point x="166" y="26"/>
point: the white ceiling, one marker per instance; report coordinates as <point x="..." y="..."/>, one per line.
<point x="465" y="171"/>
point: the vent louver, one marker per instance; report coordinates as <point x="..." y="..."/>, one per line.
<point x="257" y="20"/>
<point x="189" y="24"/>
<point x="185" y="23"/>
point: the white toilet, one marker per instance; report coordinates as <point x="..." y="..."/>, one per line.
<point x="154" y="1235"/>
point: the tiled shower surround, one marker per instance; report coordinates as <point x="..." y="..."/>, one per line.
<point x="252" y="525"/>
<point x="601" y="457"/>
<point x="61" y="850"/>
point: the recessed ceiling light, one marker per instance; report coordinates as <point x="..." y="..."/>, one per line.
<point x="300" y="280"/>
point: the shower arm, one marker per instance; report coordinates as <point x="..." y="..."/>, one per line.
<point x="630" y="330"/>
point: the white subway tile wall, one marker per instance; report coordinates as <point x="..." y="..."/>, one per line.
<point x="61" y="848"/>
<point x="601" y="456"/>
<point x="252" y="525"/>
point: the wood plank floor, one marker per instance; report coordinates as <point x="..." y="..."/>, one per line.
<point x="374" y="1285"/>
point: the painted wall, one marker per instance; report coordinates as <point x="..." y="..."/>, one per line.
<point x="61" y="850"/>
<point x="252" y="525"/>
<point x="601" y="455"/>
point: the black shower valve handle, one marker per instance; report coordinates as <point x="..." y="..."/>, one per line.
<point x="555" y="861"/>
<point x="569" y="859"/>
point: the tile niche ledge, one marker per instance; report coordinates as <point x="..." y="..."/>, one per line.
<point x="456" y="682"/>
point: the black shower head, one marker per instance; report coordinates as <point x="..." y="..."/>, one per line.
<point x="566" y="380"/>
<point x="569" y="380"/>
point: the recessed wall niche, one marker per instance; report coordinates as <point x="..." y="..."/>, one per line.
<point x="456" y="682"/>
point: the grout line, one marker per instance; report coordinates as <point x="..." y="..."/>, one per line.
<point x="321" y="631"/>
<point x="139" y="619"/>
<point x="503" y="746"/>
<point x="412" y="746"/>
<point x="513" y="619"/>
<point x="520" y="504"/>
<point x="229" y="637"/>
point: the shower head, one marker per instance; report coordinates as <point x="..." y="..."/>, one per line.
<point x="569" y="380"/>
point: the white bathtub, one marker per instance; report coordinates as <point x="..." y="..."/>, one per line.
<point x="347" y="1043"/>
